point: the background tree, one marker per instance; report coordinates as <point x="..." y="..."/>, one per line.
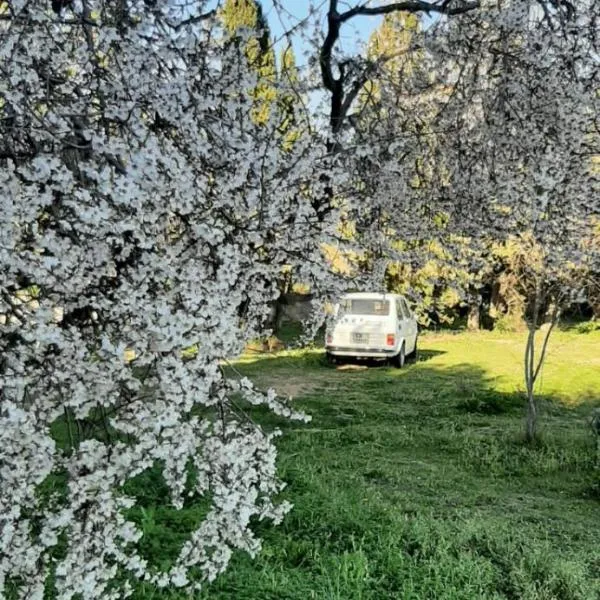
<point x="351" y="79"/>
<point x="522" y="164"/>
<point x="345" y="79"/>
<point x="400" y="102"/>
<point x="515" y="158"/>
<point x="245" y="18"/>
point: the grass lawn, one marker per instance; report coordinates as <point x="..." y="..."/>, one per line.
<point x="415" y="483"/>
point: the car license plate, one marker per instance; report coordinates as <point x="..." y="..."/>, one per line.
<point x="360" y="338"/>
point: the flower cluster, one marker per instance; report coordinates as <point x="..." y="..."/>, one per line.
<point x="146" y="218"/>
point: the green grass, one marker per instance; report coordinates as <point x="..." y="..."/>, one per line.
<point x="416" y="483"/>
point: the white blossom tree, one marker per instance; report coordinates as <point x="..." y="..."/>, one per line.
<point x="144" y="212"/>
<point x="488" y="137"/>
<point x="527" y="112"/>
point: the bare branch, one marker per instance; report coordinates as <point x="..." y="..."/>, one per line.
<point x="553" y="322"/>
<point x="333" y="32"/>
<point x="340" y="101"/>
<point x="192" y="20"/>
<point x="410" y="6"/>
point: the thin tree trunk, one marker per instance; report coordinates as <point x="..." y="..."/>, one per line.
<point x="530" y="370"/>
<point x="474" y="316"/>
<point x="531" y="432"/>
<point x="533" y="367"/>
<point x="531" y="419"/>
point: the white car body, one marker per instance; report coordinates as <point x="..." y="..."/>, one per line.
<point x="370" y="325"/>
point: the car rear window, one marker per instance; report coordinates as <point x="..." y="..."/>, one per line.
<point x="365" y="307"/>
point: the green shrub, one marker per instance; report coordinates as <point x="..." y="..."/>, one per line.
<point x="508" y="323"/>
<point x="588" y="327"/>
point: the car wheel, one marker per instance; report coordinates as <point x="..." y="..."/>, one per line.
<point x="414" y="355"/>
<point x="400" y="358"/>
<point x="331" y="359"/>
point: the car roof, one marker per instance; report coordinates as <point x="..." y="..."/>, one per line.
<point x="370" y="295"/>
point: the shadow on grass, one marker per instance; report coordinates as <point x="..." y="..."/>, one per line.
<point x="315" y="355"/>
<point x="430" y="418"/>
<point x="402" y="471"/>
<point x="423" y="391"/>
<point x="423" y="356"/>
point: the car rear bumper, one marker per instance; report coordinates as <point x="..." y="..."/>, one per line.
<point x="361" y="352"/>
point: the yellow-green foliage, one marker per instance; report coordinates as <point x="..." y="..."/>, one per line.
<point x="239" y="13"/>
<point x="392" y="41"/>
<point x="438" y="281"/>
<point x="246" y="14"/>
<point x="340" y="262"/>
<point x="400" y="70"/>
<point x="288" y="100"/>
<point x="390" y="45"/>
<point x="398" y="58"/>
<point x="522" y="264"/>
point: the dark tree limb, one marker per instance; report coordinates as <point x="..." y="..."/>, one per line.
<point x="192" y="20"/>
<point x="410" y="6"/>
<point x="340" y="98"/>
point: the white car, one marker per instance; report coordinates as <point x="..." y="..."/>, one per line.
<point x="369" y="325"/>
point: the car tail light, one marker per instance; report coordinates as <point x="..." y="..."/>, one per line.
<point x="329" y="338"/>
<point x="391" y="339"/>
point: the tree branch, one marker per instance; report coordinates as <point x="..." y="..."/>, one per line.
<point x="555" y="315"/>
<point x="191" y="20"/>
<point x="410" y="6"/>
<point x="340" y="102"/>
<point x="333" y="32"/>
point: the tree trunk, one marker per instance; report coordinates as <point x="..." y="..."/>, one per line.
<point x="531" y="419"/>
<point x="531" y="425"/>
<point x="279" y="313"/>
<point x="474" y="317"/>
<point x="531" y="366"/>
<point x="495" y="306"/>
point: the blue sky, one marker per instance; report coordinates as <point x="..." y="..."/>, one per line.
<point x="283" y="15"/>
<point x="352" y="34"/>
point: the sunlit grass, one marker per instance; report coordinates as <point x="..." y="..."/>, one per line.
<point x="571" y="372"/>
<point x="416" y="483"/>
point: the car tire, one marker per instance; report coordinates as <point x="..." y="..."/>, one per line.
<point x="400" y="359"/>
<point x="414" y="355"/>
<point x="330" y="358"/>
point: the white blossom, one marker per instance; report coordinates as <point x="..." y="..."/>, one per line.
<point x="147" y="214"/>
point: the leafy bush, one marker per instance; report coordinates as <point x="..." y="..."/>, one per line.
<point x="509" y="323"/>
<point x="588" y="327"/>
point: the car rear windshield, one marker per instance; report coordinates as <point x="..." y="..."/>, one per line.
<point x="365" y="307"/>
